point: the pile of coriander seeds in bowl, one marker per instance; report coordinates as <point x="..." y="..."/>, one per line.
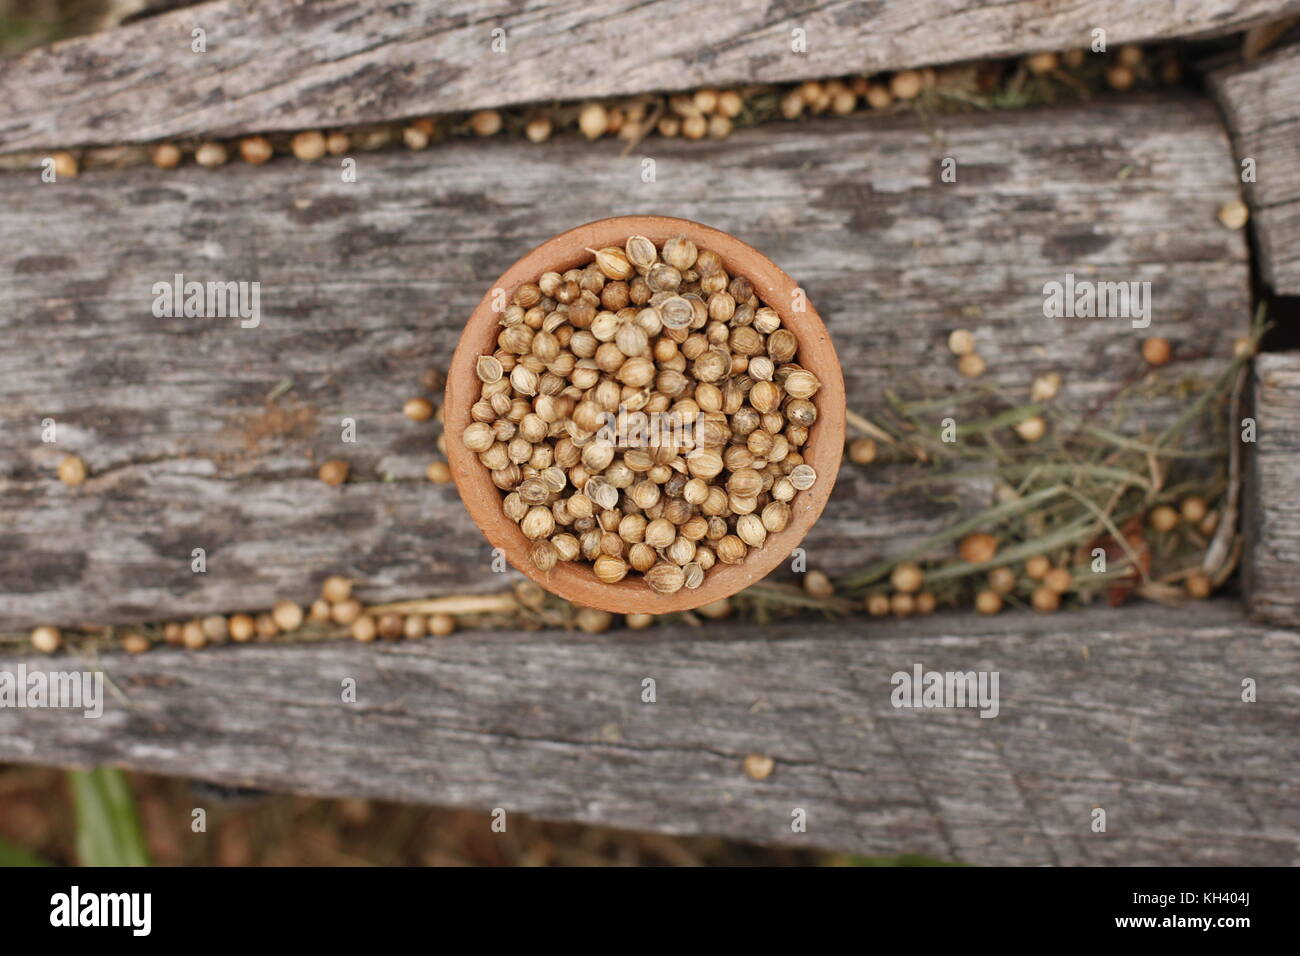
<point x="641" y="417"/>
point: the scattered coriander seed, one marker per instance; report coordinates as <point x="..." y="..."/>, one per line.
<point x="165" y="155"/>
<point x="758" y="766"/>
<point x="47" y="639"/>
<point x="287" y="615"/>
<point x="1193" y="509"/>
<point x="639" y="622"/>
<point x="65" y="165"/>
<point x="593" y="621"/>
<point x="1037" y="567"/>
<point x="364" y="629"/>
<point x="418" y="409"/>
<point x="1209" y="523"/>
<point x="1032" y="428"/>
<point x="1040" y="64"/>
<point x="902" y="603"/>
<point x="266" y="626"/>
<point x="1059" y="580"/>
<point x="715" y="610"/>
<point x="1163" y="519"/>
<point x="441" y="625"/>
<point x="210" y="155"/>
<point x="1130" y="54"/>
<point x="439" y="472"/>
<point x="818" y="585"/>
<point x="961" y="342"/>
<point x="1198" y="585"/>
<point x="308" y="146"/>
<point x="1234" y="214"/>
<point x="215" y="627"/>
<point x="1157" y="351"/>
<point x="241" y="627"/>
<point x="255" y="150"/>
<point x="1120" y="77"/>
<point x="1045" y="599"/>
<point x="878" y="96"/>
<point x="925" y="603"/>
<point x="415" y="626"/>
<point x="319" y="612"/>
<point x="192" y="635"/>
<point x="336" y="589"/>
<point x="1075" y="58"/>
<point x="971" y="365"/>
<point x="346" y="611"/>
<point x="862" y="451"/>
<point x="389" y="626"/>
<point x="333" y="472"/>
<point x="694" y="127"/>
<point x="72" y="471"/>
<point x="485" y="123"/>
<point x="905" y="85"/>
<point x="730" y="104"/>
<point x="978" y="548"/>
<point x="538" y="129"/>
<point x="415" y="138"/>
<point x="907" y="577"/>
<point x="1045" y="387"/>
<point x="877" y="605"/>
<point x="593" y="121"/>
<point x="1002" y="580"/>
<point x="1243" y="347"/>
<point x="134" y="643"/>
<point x="988" y="601"/>
<point x="336" y="143"/>
<point x="172" y="632"/>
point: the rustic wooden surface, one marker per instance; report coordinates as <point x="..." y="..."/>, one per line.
<point x="1136" y="711"/>
<point x="290" y="65"/>
<point x="365" y="284"/>
<point x="1261" y="104"/>
<point x="1272" y="514"/>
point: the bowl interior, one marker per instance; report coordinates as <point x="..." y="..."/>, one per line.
<point x="576" y="581"/>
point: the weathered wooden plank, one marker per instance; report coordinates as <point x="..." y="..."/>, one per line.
<point x="289" y="65"/>
<point x="364" y="284"/>
<point x="1261" y="103"/>
<point x="1272" y="515"/>
<point x="1138" y="712"/>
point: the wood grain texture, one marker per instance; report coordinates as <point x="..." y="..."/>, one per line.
<point x="365" y="284"/>
<point x="1261" y="104"/>
<point x="1135" y="711"/>
<point x="290" y="64"/>
<point x="1272" y="514"/>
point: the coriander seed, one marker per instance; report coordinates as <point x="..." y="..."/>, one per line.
<point x="46" y="639"/>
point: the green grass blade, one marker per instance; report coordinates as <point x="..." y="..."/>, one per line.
<point x="108" y="831"/>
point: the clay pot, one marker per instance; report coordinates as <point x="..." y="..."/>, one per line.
<point x="575" y="581"/>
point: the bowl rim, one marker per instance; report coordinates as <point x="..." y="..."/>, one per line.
<point x="575" y="581"/>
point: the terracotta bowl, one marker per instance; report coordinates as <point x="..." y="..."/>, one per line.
<point x="576" y="581"/>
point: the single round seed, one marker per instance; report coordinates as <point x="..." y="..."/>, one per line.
<point x="907" y="577"/>
<point x="862" y="451"/>
<point x="902" y="604"/>
<point x="287" y="615"/>
<point x="1045" y="387"/>
<point x="242" y="627"/>
<point x="1037" y="567"/>
<point x="877" y="605"/>
<point x="336" y="589"/>
<point x="364" y="629"/>
<point x="1157" y="351"/>
<point x="210" y="155"/>
<point x="439" y="472"/>
<point x="1194" y="509"/>
<point x="961" y="342"/>
<point x="971" y="365"/>
<point x="346" y="611"/>
<point x="1040" y="64"/>
<point x="610" y="569"/>
<point x="1198" y="585"/>
<point x="802" y="477"/>
<point x="47" y="639"/>
<point x="72" y="470"/>
<point x="1045" y="599"/>
<point x="758" y="766"/>
<point x="1059" y="580"/>
<point x="135" y="643"/>
<point x="441" y="625"/>
<point x="1119" y="78"/>
<point x="255" y="149"/>
<point x="1031" y="429"/>
<point x="1164" y="519"/>
<point x="165" y="155"/>
<point x="818" y="585"/>
<point x="418" y="409"/>
<point x="593" y="121"/>
<point x="415" y="626"/>
<point x="333" y="472"/>
<point x="665" y="578"/>
<point x="266" y="626"/>
<point x="538" y="129"/>
<point x="978" y="548"/>
<point x="1234" y="214"/>
<point x="1002" y="580"/>
<point x="925" y="603"/>
<point x="485" y="123"/>
<point x="308" y="146"/>
<point x="215" y="627"/>
<point x="319" y="612"/>
<point x="988" y="602"/>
